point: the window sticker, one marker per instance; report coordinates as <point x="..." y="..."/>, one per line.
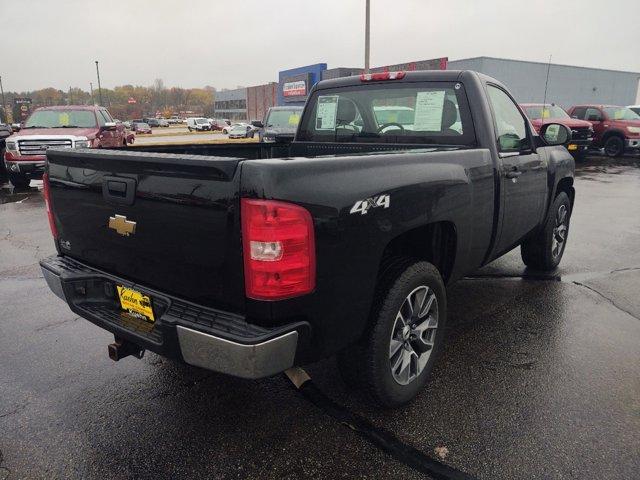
<point x="327" y="112"/>
<point x="294" y="119"/>
<point x="63" y="119"/>
<point x="429" y="107"/>
<point x="546" y="113"/>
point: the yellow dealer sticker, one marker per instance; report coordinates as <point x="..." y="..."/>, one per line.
<point x="135" y="303"/>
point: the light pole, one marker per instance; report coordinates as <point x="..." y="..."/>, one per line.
<point x="99" y="87"/>
<point x="93" y="102"/>
<point x="367" y="31"/>
<point x="4" y="105"/>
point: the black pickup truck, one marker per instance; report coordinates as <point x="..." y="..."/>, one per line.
<point x="249" y="259"/>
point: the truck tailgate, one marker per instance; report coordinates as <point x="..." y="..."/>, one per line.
<point x="166" y="221"/>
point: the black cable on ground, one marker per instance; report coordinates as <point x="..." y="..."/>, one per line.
<point x="381" y="438"/>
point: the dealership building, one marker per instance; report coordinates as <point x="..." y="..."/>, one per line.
<point x="566" y="85"/>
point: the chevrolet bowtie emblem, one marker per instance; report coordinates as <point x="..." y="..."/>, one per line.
<point x="120" y="224"/>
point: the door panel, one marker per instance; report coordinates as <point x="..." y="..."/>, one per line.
<point x="524" y="172"/>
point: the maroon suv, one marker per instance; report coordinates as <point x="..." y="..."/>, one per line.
<point x="69" y="126"/>
<point x="617" y="129"/>
<point x="581" y="131"/>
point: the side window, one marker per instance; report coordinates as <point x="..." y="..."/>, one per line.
<point x="107" y="115"/>
<point x="594" y="115"/>
<point x="510" y="124"/>
<point x="579" y="113"/>
<point x="101" y="120"/>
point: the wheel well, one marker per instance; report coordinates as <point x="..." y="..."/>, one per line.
<point x="435" y="243"/>
<point x="612" y="133"/>
<point x="566" y="185"/>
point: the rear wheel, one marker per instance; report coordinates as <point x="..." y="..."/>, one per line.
<point x="614" y="146"/>
<point x="394" y="359"/>
<point x="189" y="128"/>
<point x="544" y="251"/>
<point x="19" y="181"/>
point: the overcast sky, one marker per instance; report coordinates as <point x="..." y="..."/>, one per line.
<point x="193" y="43"/>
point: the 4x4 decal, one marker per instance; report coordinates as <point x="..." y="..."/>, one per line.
<point x="363" y="206"/>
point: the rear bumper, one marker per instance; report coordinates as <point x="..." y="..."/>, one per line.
<point x="201" y="336"/>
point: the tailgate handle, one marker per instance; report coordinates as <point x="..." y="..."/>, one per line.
<point x="119" y="190"/>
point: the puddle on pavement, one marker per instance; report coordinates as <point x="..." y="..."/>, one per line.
<point x="9" y="194"/>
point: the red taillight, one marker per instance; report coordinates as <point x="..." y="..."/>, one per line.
<point x="46" y="192"/>
<point x="373" y="77"/>
<point x="278" y="248"/>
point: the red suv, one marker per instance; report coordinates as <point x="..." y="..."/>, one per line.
<point x="617" y="129"/>
<point x="581" y="131"/>
<point x="66" y="126"/>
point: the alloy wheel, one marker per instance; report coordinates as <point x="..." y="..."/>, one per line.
<point x="560" y="231"/>
<point x="413" y="335"/>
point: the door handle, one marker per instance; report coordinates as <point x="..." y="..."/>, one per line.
<point x="513" y="173"/>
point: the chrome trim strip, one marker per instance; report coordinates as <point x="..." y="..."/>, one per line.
<point x="245" y="361"/>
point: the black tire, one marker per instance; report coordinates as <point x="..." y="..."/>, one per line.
<point x="540" y="252"/>
<point x="368" y="364"/>
<point x="614" y="146"/>
<point x="189" y="128"/>
<point x="19" y="181"/>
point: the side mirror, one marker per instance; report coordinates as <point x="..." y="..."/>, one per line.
<point x="257" y="124"/>
<point x="110" y="126"/>
<point x="555" y="134"/>
<point x="16" y="127"/>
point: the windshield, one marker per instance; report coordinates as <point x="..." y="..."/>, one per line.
<point x="61" y="119"/>
<point x="537" y="112"/>
<point x="201" y="120"/>
<point x="418" y="113"/>
<point x="142" y="125"/>
<point x="283" y="118"/>
<point x="621" y="113"/>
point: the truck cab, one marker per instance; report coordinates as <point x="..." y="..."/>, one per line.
<point x="69" y="126"/>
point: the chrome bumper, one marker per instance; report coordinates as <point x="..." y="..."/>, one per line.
<point x="633" y="142"/>
<point x="256" y="358"/>
<point x="246" y="361"/>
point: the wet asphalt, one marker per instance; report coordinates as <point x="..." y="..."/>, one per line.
<point x="540" y="377"/>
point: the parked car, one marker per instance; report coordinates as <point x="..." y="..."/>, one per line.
<point x="163" y="123"/>
<point x="241" y="130"/>
<point x="278" y="121"/>
<point x="581" y="130"/>
<point x="152" y="122"/>
<point x="69" y="126"/>
<point x="142" y="128"/>
<point x="340" y="242"/>
<point x="218" y="124"/>
<point x="616" y="129"/>
<point x="198" y="124"/>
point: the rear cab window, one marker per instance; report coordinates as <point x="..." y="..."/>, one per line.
<point x="431" y="113"/>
